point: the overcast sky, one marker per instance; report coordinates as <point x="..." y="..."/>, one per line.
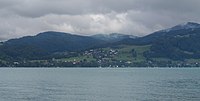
<point x="87" y="17"/>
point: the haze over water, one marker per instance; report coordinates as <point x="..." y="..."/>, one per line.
<point x="99" y="84"/>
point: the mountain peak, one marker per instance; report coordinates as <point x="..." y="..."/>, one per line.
<point x="187" y="25"/>
<point x="52" y="33"/>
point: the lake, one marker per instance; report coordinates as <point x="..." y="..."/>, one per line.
<point x="59" y="84"/>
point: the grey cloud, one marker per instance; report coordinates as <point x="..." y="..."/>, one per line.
<point x="76" y="7"/>
<point x="36" y="8"/>
<point x="138" y="17"/>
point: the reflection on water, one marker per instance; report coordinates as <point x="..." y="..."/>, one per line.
<point x="100" y="84"/>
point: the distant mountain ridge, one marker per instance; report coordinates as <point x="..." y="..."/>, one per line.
<point x="113" y="37"/>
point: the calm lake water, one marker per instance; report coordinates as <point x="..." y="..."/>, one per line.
<point x="99" y="84"/>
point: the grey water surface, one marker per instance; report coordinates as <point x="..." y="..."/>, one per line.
<point x="46" y="84"/>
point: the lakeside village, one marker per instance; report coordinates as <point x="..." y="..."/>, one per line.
<point x="90" y="58"/>
<point x="101" y="58"/>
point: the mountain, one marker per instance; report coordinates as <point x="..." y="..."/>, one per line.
<point x="179" y="42"/>
<point x="184" y="29"/>
<point x="47" y="43"/>
<point x="55" y="42"/>
<point x="113" y="37"/>
<point x="162" y="48"/>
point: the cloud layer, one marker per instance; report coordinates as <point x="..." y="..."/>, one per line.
<point x="137" y="17"/>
